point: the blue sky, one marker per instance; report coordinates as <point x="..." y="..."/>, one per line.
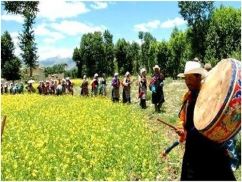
<point x="60" y="25"/>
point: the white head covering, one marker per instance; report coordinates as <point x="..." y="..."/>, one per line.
<point x="193" y="67"/>
<point x="142" y="70"/>
<point x="95" y="75"/>
<point x="127" y="73"/>
<point x="156" y="67"/>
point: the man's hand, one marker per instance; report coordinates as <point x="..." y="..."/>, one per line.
<point x="180" y="131"/>
<point x="182" y="134"/>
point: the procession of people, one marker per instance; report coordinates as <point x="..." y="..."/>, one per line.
<point x="203" y="158"/>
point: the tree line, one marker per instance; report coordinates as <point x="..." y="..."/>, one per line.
<point x="212" y="34"/>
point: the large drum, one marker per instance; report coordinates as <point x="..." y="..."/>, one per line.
<point x="217" y="114"/>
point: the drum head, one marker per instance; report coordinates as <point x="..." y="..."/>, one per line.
<point x="212" y="95"/>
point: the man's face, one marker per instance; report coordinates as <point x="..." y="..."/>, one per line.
<point x="193" y="81"/>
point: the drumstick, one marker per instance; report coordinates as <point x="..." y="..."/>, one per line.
<point x="173" y="127"/>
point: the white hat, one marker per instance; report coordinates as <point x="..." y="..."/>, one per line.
<point x="127" y="73"/>
<point x="95" y="75"/>
<point x="193" y="67"/>
<point x="156" y="67"/>
<point x="142" y="70"/>
<point x="115" y="74"/>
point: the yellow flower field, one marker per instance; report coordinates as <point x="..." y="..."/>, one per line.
<point x="73" y="138"/>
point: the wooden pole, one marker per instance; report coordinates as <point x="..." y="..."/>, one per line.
<point x="171" y="126"/>
<point x="2" y="125"/>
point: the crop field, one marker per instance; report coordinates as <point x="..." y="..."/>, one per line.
<point x="90" y="138"/>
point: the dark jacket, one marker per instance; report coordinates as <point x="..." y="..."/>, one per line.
<point x="203" y="159"/>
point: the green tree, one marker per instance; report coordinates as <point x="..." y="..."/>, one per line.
<point x="163" y="54"/>
<point x="147" y="53"/>
<point x="71" y="73"/>
<point x="121" y="54"/>
<point x="135" y="54"/>
<point x="79" y="61"/>
<point x="224" y="34"/>
<point x="55" y="69"/>
<point x="109" y="52"/>
<point x="27" y="43"/>
<point x="19" y="7"/>
<point x="177" y="46"/>
<point x="11" y="69"/>
<point x="10" y="64"/>
<point x="29" y="10"/>
<point x="7" y="48"/>
<point x="92" y="52"/>
<point x="197" y="14"/>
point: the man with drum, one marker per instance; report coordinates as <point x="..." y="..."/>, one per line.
<point x="203" y="159"/>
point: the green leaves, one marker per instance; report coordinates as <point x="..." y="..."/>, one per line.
<point x="224" y="34"/>
<point x="10" y="64"/>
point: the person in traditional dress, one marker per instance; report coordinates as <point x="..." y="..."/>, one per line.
<point x="21" y="88"/>
<point x="63" y="84"/>
<point x="39" y="88"/>
<point x="94" y="85"/>
<point x="58" y="89"/>
<point x="115" y="88"/>
<point x="6" y="87"/>
<point x="142" y="88"/>
<point x="84" y="86"/>
<point x="102" y="84"/>
<point x="203" y="158"/>
<point x="69" y="86"/>
<point x="156" y="87"/>
<point x="127" y="88"/>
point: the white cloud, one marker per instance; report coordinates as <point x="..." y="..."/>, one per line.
<point x="14" y="36"/>
<point x="51" y="36"/>
<point x="172" y="23"/>
<point x="140" y="27"/>
<point x="45" y="52"/>
<point x="154" y="24"/>
<point x="9" y="17"/>
<point x="74" y="27"/>
<point x="99" y="5"/>
<point x="61" y="9"/>
<point x="145" y="27"/>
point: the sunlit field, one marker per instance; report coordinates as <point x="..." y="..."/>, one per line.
<point x="89" y="138"/>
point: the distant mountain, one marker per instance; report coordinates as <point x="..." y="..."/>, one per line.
<point x="57" y="60"/>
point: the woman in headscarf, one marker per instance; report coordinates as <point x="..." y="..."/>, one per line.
<point x="126" y="88"/>
<point x="156" y="86"/>
<point x="115" y="88"/>
<point x="84" y="86"/>
<point x="95" y="84"/>
<point x="142" y="88"/>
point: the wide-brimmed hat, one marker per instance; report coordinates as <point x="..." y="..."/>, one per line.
<point x="193" y="67"/>
<point x="142" y="70"/>
<point x="156" y="67"/>
<point x="115" y="74"/>
<point x="31" y="81"/>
